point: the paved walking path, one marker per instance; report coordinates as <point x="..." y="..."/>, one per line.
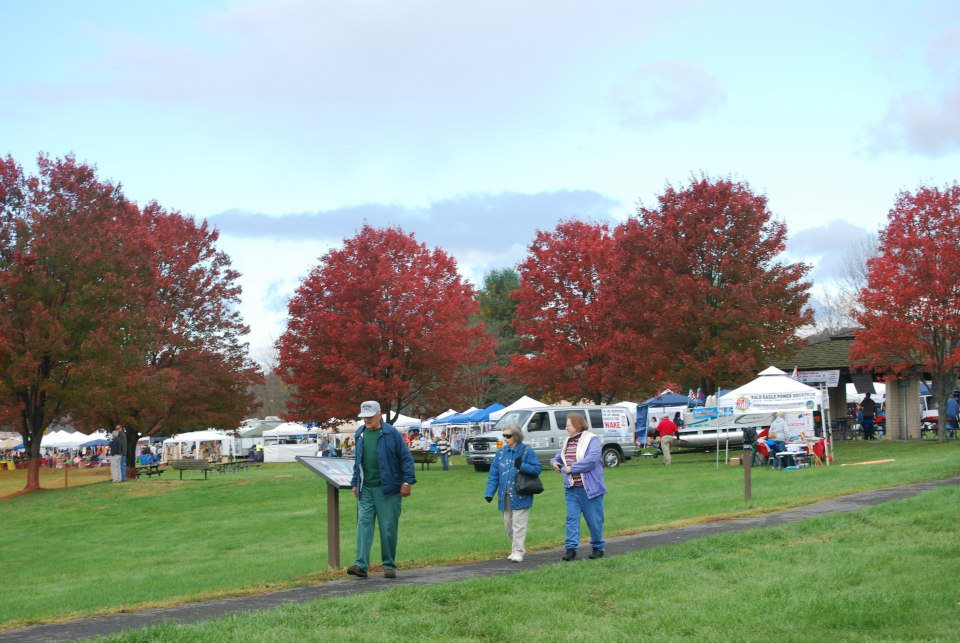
<point x="194" y="612"/>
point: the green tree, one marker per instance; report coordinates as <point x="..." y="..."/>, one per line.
<point x="498" y="309"/>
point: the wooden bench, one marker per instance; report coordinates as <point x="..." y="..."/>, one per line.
<point x="149" y="470"/>
<point x="424" y="458"/>
<point x="191" y="465"/>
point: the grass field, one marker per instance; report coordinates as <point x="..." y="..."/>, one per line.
<point x="104" y="547"/>
<point x="888" y="573"/>
<point x="13" y="481"/>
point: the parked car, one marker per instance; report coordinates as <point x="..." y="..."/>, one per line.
<point x="544" y="429"/>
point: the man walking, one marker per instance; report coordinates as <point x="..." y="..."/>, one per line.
<point x="383" y="473"/>
<point x="667" y="431"/>
<point x="868" y="408"/>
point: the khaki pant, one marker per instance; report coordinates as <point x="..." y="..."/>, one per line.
<point x="665" y="442"/>
<point x="515" y="524"/>
<point x="116" y="461"/>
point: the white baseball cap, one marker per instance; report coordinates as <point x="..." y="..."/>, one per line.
<point x="369" y="408"/>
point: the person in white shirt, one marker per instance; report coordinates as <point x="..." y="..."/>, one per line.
<point x="777" y="438"/>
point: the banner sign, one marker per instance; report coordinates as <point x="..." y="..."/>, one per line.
<point x="830" y="377"/>
<point x="758" y="402"/>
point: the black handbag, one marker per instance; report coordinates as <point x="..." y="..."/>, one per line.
<point x="528" y="485"/>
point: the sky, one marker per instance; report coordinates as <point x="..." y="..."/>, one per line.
<point x="289" y="124"/>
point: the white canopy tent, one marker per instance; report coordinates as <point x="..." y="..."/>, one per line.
<point x="209" y="445"/>
<point x="64" y="440"/>
<point x="773" y="390"/>
<point x="280" y="443"/>
<point x="524" y="402"/>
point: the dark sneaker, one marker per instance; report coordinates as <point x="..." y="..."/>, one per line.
<point x="389" y="573"/>
<point x="596" y="553"/>
<point x="355" y="570"/>
<point x="570" y="554"/>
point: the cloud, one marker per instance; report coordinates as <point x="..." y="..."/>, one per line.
<point x="921" y="124"/>
<point x="667" y="90"/>
<point x="480" y="223"/>
<point x="925" y="123"/>
<point x="828" y="247"/>
<point x="482" y="232"/>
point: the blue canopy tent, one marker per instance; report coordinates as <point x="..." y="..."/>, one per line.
<point x="666" y="399"/>
<point x="483" y="415"/>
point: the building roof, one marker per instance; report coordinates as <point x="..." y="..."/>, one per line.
<point x="833" y="352"/>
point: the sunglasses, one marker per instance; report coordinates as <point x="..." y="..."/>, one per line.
<point x="508" y="435"/>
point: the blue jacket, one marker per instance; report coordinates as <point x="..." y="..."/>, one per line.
<point x="503" y="475"/>
<point x="396" y="463"/>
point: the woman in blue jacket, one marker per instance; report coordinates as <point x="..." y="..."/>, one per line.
<point x="503" y="476"/>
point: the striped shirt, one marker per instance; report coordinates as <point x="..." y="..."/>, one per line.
<point x="570" y="456"/>
<point x="443" y="446"/>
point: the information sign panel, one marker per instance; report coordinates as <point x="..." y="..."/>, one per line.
<point x="336" y="471"/>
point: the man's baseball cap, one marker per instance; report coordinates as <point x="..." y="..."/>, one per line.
<point x="369" y="408"/>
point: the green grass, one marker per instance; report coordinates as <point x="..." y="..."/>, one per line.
<point x="162" y="541"/>
<point x="887" y="573"/>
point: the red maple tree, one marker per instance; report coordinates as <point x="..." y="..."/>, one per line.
<point x="384" y="318"/>
<point x="911" y="305"/>
<point x="72" y="276"/>
<point x="700" y="285"/>
<point x="567" y="329"/>
<point x="191" y="370"/>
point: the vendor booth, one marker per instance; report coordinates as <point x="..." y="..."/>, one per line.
<point x="288" y="440"/>
<point x="210" y="445"/>
<point x="774" y="391"/>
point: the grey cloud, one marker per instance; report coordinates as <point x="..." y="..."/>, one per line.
<point x="664" y="91"/>
<point x="919" y="124"/>
<point x="830" y="245"/>
<point x="481" y="224"/>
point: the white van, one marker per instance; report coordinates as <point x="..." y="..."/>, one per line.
<point x="544" y="429"/>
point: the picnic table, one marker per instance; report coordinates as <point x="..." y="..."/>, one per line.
<point x="192" y="465"/>
<point x="424" y="457"/>
<point x="149" y="470"/>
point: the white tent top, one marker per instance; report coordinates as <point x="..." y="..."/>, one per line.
<point x="773" y="390"/>
<point x="290" y="428"/>
<point x="855" y="398"/>
<point x="64" y="440"/>
<point x="9" y="443"/>
<point x="404" y="421"/>
<point x="523" y="403"/>
<point x="208" y="435"/>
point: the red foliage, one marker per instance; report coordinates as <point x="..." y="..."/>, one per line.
<point x="384" y="318"/>
<point x="700" y="288"/>
<point x="911" y="316"/>
<point x="71" y="290"/>
<point x="99" y="299"/>
<point x="567" y="328"/>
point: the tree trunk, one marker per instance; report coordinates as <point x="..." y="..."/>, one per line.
<point x="33" y="474"/>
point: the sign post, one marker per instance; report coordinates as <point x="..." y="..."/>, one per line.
<point x="338" y="473"/>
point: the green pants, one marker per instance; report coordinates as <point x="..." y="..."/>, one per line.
<point x="373" y="505"/>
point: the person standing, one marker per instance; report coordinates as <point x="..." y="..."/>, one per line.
<point x="869" y="410"/>
<point x="443" y="448"/>
<point x="383" y="473"/>
<point x="584" y="486"/>
<point x="510" y="458"/>
<point x="667" y="431"/>
<point x="117" y="447"/>
<point x="953" y="409"/>
<point x="777" y="438"/>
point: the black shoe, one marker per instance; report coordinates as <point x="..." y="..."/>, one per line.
<point x="355" y="570"/>
<point x="596" y="553"/>
<point x="570" y="554"/>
